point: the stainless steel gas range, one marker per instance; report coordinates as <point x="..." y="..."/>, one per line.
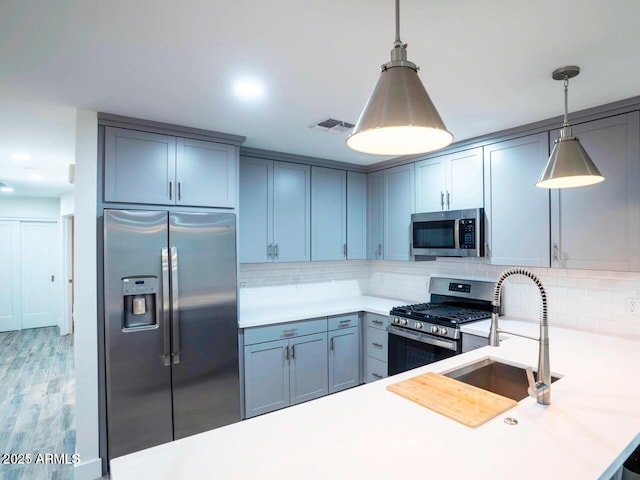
<point x="428" y="332"/>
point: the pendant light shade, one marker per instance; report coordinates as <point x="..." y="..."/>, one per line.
<point x="399" y="118"/>
<point x="569" y="164"/>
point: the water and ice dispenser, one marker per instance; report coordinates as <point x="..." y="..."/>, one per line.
<point x="140" y="296"/>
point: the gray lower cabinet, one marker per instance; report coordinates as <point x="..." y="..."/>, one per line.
<point x="376" y="347"/>
<point x="517" y="212"/>
<point x="275" y="211"/>
<point x="375" y="216"/>
<point x="598" y="227"/>
<point x="284" y="372"/>
<point x="150" y="168"/>
<point x="399" y="204"/>
<point x="344" y="352"/>
<point x="328" y="214"/>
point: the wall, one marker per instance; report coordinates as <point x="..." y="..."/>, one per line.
<point x="29" y="207"/>
<point x="85" y="274"/>
<point x="590" y="300"/>
<point x="291" y="273"/>
<point x="67" y="204"/>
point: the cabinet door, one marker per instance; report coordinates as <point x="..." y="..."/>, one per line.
<point x="597" y="227"/>
<point x="291" y="212"/>
<point x="344" y="359"/>
<point x="328" y="214"/>
<point x="139" y="167"/>
<point x="465" y="186"/>
<point x="255" y="226"/>
<point x="399" y="200"/>
<point x="375" y="215"/>
<point x="206" y="173"/>
<point x="266" y="377"/>
<point x="356" y="216"/>
<point x="308" y="367"/>
<point x="431" y="184"/>
<point x="517" y="223"/>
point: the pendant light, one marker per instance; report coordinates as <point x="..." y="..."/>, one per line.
<point x="399" y="117"/>
<point x="569" y="164"/>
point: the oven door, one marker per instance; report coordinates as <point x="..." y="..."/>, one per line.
<point x="409" y="349"/>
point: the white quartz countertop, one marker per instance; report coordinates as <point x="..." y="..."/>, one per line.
<point x="367" y="432"/>
<point x="253" y="314"/>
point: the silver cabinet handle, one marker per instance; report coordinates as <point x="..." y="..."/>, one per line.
<point x="441" y="199"/>
<point x="448" y="199"/>
<point x="379" y="250"/>
<point x="175" y="307"/>
<point x="289" y="332"/>
<point x="331" y="344"/>
<point x="277" y="253"/>
<point x="377" y="322"/>
<point x="179" y="190"/>
<point x="376" y="344"/>
<point x="344" y="250"/>
<point x="270" y="251"/>
<point x="170" y="190"/>
<point x="376" y="375"/>
<point x="556" y="256"/>
<point x="293" y="352"/>
<point x="166" y="331"/>
<point x="286" y="353"/>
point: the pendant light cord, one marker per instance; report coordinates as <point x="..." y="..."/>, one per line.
<point x="397" y="43"/>
<point x="566" y="102"/>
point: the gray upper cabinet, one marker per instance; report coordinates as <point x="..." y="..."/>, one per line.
<point x="139" y="167"/>
<point x="375" y="215"/>
<point x="399" y="202"/>
<point x="275" y="211"/>
<point x="149" y="168"/>
<point x="328" y="214"/>
<point x="205" y="173"/>
<point x="598" y="227"/>
<point x="517" y="228"/>
<point x="450" y="182"/>
<point x="356" y="216"/>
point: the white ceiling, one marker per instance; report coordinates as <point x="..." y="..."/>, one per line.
<point x="486" y="64"/>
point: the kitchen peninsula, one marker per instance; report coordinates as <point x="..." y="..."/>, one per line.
<point x="587" y="432"/>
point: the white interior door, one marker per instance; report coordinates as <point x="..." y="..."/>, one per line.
<point x="10" y="304"/>
<point x="40" y="260"/>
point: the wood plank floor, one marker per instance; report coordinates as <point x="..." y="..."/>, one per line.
<point x="37" y="401"/>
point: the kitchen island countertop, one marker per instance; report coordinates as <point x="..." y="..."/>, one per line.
<point x="368" y="432"/>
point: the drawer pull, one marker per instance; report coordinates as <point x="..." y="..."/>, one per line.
<point x="377" y="322"/>
<point x="376" y="375"/>
<point x="376" y="344"/>
<point x="289" y="332"/>
<point x="344" y="322"/>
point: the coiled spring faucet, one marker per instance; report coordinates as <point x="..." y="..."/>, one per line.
<point x="540" y="390"/>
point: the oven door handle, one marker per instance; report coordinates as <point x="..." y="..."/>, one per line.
<point x="422" y="338"/>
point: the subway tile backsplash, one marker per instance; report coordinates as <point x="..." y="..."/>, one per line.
<point x="590" y="300"/>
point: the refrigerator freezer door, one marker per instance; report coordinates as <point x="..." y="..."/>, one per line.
<point x="206" y="386"/>
<point x="138" y="381"/>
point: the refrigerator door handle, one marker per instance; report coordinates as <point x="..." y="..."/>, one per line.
<point x="166" y="332"/>
<point x="175" y="307"/>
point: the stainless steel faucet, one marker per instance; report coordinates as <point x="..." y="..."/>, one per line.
<point x="540" y="390"/>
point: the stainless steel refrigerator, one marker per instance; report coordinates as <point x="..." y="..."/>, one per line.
<point x="171" y="331"/>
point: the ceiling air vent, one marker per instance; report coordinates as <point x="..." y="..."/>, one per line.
<point x="333" y="126"/>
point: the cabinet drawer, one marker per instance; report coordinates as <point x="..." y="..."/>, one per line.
<point x="284" y="330"/>
<point x="343" y="321"/>
<point x="377" y="321"/>
<point x="377" y="341"/>
<point x="375" y="370"/>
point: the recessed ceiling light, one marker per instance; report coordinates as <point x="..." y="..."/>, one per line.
<point x="23" y="157"/>
<point x="248" y="89"/>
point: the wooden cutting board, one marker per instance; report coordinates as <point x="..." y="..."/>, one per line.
<point x="464" y="403"/>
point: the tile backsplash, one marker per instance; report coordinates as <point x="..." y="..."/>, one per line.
<point x="591" y="300"/>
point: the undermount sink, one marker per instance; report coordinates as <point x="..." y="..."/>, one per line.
<point x="495" y="376"/>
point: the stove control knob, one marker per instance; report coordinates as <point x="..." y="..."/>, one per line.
<point x="443" y="331"/>
<point x="403" y="321"/>
<point x="396" y="320"/>
<point x="434" y="329"/>
<point x="418" y="325"/>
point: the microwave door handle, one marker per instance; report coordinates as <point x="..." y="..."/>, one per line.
<point x="456" y="234"/>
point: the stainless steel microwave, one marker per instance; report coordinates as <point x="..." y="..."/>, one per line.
<point x="451" y="233"/>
